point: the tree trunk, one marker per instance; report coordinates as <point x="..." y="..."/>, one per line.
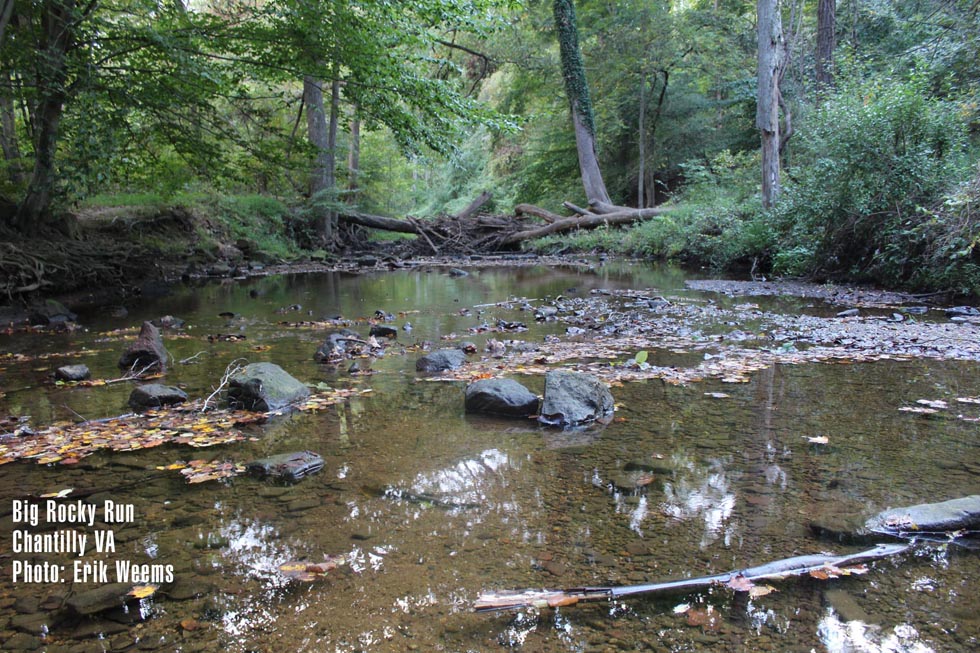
<point x="641" y="138"/>
<point x="8" y="132"/>
<point x="34" y="211"/>
<point x="771" y="59"/>
<point x="6" y="12"/>
<point x="354" y="160"/>
<point x="580" y="104"/>
<point x="826" y="42"/>
<point x="330" y="218"/>
<point x="321" y="176"/>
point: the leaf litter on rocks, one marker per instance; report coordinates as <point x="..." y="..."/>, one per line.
<point x="68" y="442"/>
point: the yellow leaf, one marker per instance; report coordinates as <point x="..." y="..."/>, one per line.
<point x="60" y="494"/>
<point x="142" y="591"/>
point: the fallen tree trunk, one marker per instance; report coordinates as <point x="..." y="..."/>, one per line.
<point x="380" y="222"/>
<point x="589" y="221"/>
<point x="475" y="205"/>
<point x="471" y="232"/>
<point x="740" y="580"/>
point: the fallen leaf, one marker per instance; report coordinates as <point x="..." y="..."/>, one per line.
<point x="708" y="619"/>
<point x="818" y="439"/>
<point x="761" y="590"/>
<point x="190" y="624"/>
<point x="142" y="591"/>
<point x="60" y="494"/>
<point x="740" y="583"/>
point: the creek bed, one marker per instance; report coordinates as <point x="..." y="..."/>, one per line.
<point x="430" y="507"/>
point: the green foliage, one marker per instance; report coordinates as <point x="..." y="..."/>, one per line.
<point x="873" y="155"/>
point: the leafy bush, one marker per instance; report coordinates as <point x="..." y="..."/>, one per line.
<point x="872" y="156"/>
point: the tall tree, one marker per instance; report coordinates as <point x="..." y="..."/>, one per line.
<point x="772" y="57"/>
<point x="826" y="42"/>
<point x="59" y="21"/>
<point x="579" y="102"/>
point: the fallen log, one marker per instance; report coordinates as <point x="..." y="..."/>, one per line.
<point x="538" y="212"/>
<point x="379" y="222"/>
<point x="585" y="222"/>
<point x="474" y="206"/>
<point x="795" y="566"/>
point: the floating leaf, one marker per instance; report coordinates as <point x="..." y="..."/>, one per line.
<point x="60" y="494"/>
<point x="760" y="590"/>
<point x="740" y="583"/>
<point x="142" y="591"/>
<point x="309" y="571"/>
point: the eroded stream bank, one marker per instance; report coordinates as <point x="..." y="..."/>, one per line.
<point x="750" y="418"/>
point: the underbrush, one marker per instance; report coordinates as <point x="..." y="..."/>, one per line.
<point x="879" y="191"/>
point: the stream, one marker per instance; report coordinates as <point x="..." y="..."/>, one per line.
<point x="752" y="418"/>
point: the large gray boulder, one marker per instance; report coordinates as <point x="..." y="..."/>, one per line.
<point x="440" y="361"/>
<point x="264" y="387"/>
<point x="943" y="517"/>
<point x="500" y="397"/>
<point x="147" y="352"/>
<point x="154" y="395"/>
<point x="572" y="399"/>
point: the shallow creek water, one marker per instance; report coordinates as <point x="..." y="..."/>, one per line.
<point x="430" y="506"/>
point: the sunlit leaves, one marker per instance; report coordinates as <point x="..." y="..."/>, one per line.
<point x="67" y="443"/>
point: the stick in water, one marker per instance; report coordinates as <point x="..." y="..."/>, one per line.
<point x="795" y="566"/>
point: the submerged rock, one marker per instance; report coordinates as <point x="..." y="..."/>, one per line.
<point x="962" y="311"/>
<point x="264" y="387"/>
<point x="441" y="360"/>
<point x="288" y="467"/>
<point x="335" y="347"/>
<point x="72" y="373"/>
<point x="942" y="517"/>
<point x="101" y="598"/>
<point x="147" y="352"/>
<point x="381" y="331"/>
<point x="50" y="312"/>
<point x="154" y="395"/>
<point x="572" y="398"/>
<point x="500" y="397"/>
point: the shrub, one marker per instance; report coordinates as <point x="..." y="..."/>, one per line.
<point x="871" y="156"/>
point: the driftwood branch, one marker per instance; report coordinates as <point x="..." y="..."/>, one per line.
<point x="233" y="368"/>
<point x="795" y="566"/>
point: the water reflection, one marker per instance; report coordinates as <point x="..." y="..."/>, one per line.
<point x="858" y="637"/>
<point x="704" y="492"/>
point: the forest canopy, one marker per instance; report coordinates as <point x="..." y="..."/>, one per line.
<point x="871" y="119"/>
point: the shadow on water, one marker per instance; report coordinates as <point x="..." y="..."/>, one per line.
<point x="429" y="507"/>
